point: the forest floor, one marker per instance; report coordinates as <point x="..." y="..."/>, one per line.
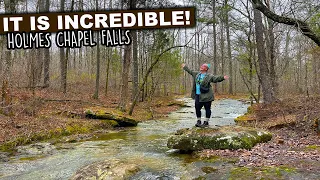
<point x="47" y="114"/>
<point x="295" y="142"/>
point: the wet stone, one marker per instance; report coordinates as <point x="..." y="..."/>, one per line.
<point x="4" y="157"/>
<point x="225" y="137"/>
<point x="108" y="169"/>
<point x="36" y="149"/>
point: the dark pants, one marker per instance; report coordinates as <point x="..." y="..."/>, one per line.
<point x="199" y="105"/>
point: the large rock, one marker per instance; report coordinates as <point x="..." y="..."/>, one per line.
<point x="226" y="137"/>
<point x="36" y="149"/>
<point x="108" y="169"/>
<point x="122" y="121"/>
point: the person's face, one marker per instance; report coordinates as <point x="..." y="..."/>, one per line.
<point x="203" y="67"/>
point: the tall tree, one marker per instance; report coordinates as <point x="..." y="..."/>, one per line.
<point x="46" y="66"/>
<point x="10" y="7"/>
<point x="271" y="49"/>
<point x="215" y="59"/>
<point x="265" y="81"/>
<point x="222" y="48"/>
<point x="96" y="93"/>
<point x="226" y="8"/>
<point x="124" y="80"/>
<point x="135" y="73"/>
<point x="63" y="60"/>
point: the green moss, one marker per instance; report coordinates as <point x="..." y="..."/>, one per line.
<point x="149" y="115"/>
<point x="279" y="172"/>
<point x="109" y="123"/>
<point x="247" y="117"/>
<point x="312" y="147"/>
<point x="276" y="172"/>
<point x="211" y="159"/>
<point x="214" y="159"/>
<point x="200" y="178"/>
<point x="241" y="173"/>
<point x="77" y="129"/>
<point x="244" y="117"/>
<point x="31" y="158"/>
<point x="250" y="110"/>
<point x="55" y="134"/>
<point x="223" y="138"/>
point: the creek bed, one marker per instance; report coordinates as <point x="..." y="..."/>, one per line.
<point x="144" y="145"/>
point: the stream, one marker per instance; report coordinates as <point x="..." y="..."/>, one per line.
<point x="144" y="145"/>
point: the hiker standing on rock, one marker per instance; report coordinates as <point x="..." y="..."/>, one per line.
<point x="202" y="91"/>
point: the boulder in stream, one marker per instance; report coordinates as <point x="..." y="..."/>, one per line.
<point x="225" y="137"/>
<point x="36" y="149"/>
<point x="108" y="169"/>
<point x="122" y="121"/>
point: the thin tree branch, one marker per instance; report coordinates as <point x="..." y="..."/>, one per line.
<point x="303" y="26"/>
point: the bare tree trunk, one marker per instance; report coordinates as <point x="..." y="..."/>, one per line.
<point x="63" y="60"/>
<point x="306" y="78"/>
<point x="109" y="55"/>
<point x="215" y="61"/>
<point x="96" y="93"/>
<point x="9" y="8"/>
<point x="229" y="50"/>
<point x="315" y="70"/>
<point x="46" y="70"/>
<point x="39" y="65"/>
<point x="5" y="95"/>
<point x="268" y="92"/>
<point x="222" y="51"/>
<point x="273" y="74"/>
<point x="135" y="72"/>
<point x="300" y="77"/>
<point x="271" y="48"/>
<point x="125" y="76"/>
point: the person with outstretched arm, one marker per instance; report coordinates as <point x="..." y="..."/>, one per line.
<point x="202" y="91"/>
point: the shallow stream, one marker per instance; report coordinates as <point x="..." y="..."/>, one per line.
<point x="144" y="145"/>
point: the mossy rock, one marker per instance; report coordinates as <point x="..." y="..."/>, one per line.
<point x="279" y="172"/>
<point x="227" y="137"/>
<point x="248" y="118"/>
<point x="122" y="121"/>
<point x="208" y="169"/>
<point x="245" y="118"/>
<point x="108" y="169"/>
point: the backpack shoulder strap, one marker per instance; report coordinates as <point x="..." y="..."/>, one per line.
<point x="206" y="80"/>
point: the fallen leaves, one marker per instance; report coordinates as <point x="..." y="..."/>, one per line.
<point x="294" y="150"/>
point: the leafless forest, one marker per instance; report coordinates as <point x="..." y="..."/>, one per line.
<point x="270" y="50"/>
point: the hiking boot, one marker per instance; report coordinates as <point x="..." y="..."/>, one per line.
<point x="198" y="123"/>
<point x="205" y="124"/>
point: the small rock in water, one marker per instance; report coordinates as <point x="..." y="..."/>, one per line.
<point x="172" y="151"/>
<point x="4" y="157"/>
<point x="36" y="149"/>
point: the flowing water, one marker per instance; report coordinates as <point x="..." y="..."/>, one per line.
<point x="144" y="145"/>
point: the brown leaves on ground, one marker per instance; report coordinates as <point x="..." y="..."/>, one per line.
<point x="297" y="112"/>
<point x="48" y="109"/>
<point x="286" y="148"/>
<point x="295" y="142"/>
